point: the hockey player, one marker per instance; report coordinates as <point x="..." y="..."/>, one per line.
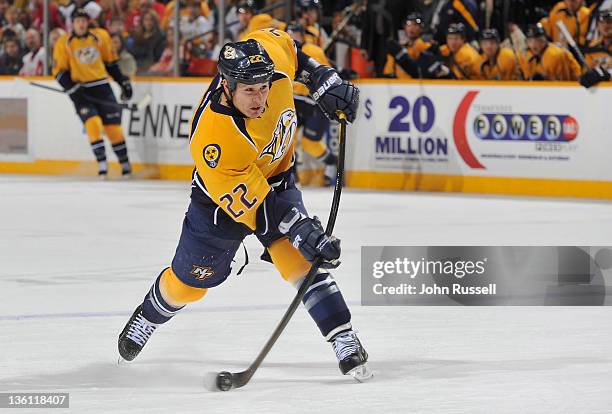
<point x="308" y="13"/>
<point x="498" y="63"/>
<point x="574" y="15"/>
<point x="414" y="46"/>
<point x="463" y="59"/>
<point x="243" y="143"/>
<point x="309" y="115"/>
<point x="599" y="53"/>
<point x="546" y="61"/>
<point x="82" y="62"/>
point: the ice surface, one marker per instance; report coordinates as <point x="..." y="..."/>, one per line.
<point x="76" y="257"/>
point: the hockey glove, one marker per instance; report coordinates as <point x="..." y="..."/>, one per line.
<point x="594" y="76"/>
<point x="307" y="235"/>
<point x="126" y="90"/>
<point x="333" y="94"/>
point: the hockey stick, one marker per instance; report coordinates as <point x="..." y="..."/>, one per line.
<point x="140" y="105"/>
<point x="225" y="381"/>
<point x="572" y="44"/>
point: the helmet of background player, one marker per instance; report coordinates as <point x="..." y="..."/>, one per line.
<point x="535" y="31"/>
<point x="308" y="4"/>
<point x="605" y="24"/>
<point x="414" y="25"/>
<point x="605" y="16"/>
<point x="296" y="31"/>
<point x="456" y="29"/>
<point x="244" y="62"/>
<point x="489" y="34"/>
<point x="80" y="12"/>
<point x="246" y="7"/>
<point x="489" y="42"/>
<point x="536" y="38"/>
<point x="80" y="21"/>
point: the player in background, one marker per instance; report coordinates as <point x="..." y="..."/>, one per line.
<point x="309" y="115"/>
<point x="599" y="53"/>
<point x="308" y="14"/>
<point x="462" y="59"/>
<point x="497" y="63"/>
<point x="547" y="61"/>
<point x="243" y="143"/>
<point x="251" y="20"/>
<point x="574" y="15"/>
<point x="417" y="58"/>
<point x="414" y="46"/>
<point x="82" y="61"/>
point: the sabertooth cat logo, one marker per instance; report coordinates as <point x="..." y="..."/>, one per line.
<point x="87" y="55"/>
<point x="229" y="53"/>
<point x="283" y="134"/>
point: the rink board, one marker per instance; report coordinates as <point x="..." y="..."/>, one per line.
<point x="515" y="138"/>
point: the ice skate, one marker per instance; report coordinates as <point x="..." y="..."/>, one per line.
<point x="126" y="170"/>
<point x="330" y="175"/>
<point x="135" y="335"/>
<point x="352" y="357"/>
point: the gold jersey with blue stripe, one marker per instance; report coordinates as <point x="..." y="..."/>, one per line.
<point x="235" y="157"/>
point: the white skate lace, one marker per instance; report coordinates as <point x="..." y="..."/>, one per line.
<point x="140" y="330"/>
<point x="345" y="344"/>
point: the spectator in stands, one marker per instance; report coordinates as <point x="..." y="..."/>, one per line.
<point x="232" y="26"/>
<point x="34" y="60"/>
<point x="165" y="65"/>
<point x="12" y="23"/>
<point x="169" y="11"/>
<point x="574" y="15"/>
<point x="414" y="46"/>
<point x="10" y="60"/>
<point x="147" y="42"/>
<point x="193" y="25"/>
<point x="119" y="10"/>
<point x="53" y="36"/>
<point x="462" y="59"/>
<point x="94" y="11"/>
<point x="449" y="12"/>
<point x="6" y="34"/>
<point x="65" y="10"/>
<point x="127" y="63"/>
<point x="133" y="17"/>
<point x="117" y="26"/>
<point x="599" y="53"/>
<point x="37" y="15"/>
<point x="4" y="5"/>
<point x="547" y="61"/>
<point x="498" y="63"/>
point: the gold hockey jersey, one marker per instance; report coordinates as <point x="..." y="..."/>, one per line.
<point x="85" y="56"/>
<point x="235" y="156"/>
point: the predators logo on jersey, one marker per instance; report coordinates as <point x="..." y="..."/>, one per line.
<point x="283" y="134"/>
<point x="87" y="55"/>
<point x="212" y="153"/>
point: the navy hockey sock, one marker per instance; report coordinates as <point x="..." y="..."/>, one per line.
<point x="100" y="153"/>
<point x="326" y="306"/>
<point x="121" y="152"/>
<point x="154" y="308"/>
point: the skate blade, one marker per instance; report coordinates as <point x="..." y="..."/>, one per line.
<point x="361" y="373"/>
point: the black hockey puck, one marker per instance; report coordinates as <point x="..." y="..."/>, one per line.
<point x="224" y="381"/>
